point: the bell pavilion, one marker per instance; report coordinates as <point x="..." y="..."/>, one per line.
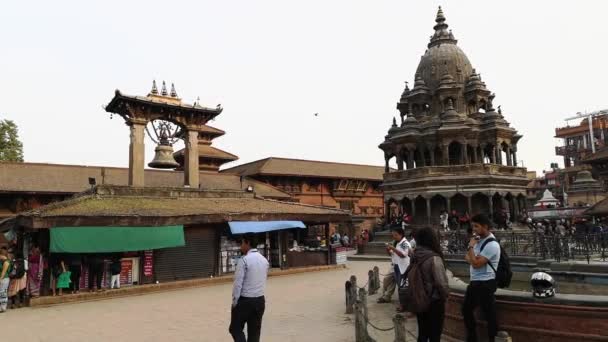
<point x="453" y="149"/>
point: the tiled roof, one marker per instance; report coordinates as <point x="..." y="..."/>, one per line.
<point x="111" y="205"/>
<point x="308" y="168"/>
<point x="210" y="152"/>
<point x="71" y="179"/>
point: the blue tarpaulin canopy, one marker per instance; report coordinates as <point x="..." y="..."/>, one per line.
<point x="242" y="227"/>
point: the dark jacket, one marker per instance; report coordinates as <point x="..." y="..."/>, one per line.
<point x="433" y="273"/>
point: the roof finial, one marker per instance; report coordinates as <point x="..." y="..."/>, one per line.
<point x="173" y="92"/>
<point x="394" y="122"/>
<point x="440" y="17"/>
<point x="406" y="85"/>
<point x="442" y="35"/>
<point x="163" y="89"/>
<point x="154" y="90"/>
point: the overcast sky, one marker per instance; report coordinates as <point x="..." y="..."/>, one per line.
<point x="273" y="64"/>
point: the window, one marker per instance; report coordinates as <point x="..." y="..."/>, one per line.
<point x="361" y="185"/>
<point x="347" y="205"/>
<point x="342" y="184"/>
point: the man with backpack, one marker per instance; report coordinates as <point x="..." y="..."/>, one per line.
<point x="483" y="254"/>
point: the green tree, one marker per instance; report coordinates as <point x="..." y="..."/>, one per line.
<point x="11" y="149"/>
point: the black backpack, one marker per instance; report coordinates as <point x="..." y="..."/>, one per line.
<point x="503" y="273"/>
<point x="18" y="269"/>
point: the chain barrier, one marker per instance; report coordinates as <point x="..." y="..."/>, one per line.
<point x="374" y="326"/>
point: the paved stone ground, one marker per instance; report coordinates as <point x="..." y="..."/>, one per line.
<point x="302" y="307"/>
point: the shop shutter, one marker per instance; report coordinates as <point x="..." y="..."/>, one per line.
<point x="197" y="259"/>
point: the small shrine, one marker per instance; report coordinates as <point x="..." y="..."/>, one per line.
<point x="547" y="201"/>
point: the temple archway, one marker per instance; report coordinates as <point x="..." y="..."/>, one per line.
<point x="480" y="204"/>
<point x="460" y="203"/>
<point x="455" y="153"/>
<point x="438" y="156"/>
<point x="420" y="217"/>
<point x="438" y="205"/>
<point x="406" y="204"/>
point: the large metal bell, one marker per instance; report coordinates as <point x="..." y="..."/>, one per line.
<point x="163" y="157"/>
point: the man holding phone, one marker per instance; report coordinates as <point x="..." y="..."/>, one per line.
<point x="483" y="250"/>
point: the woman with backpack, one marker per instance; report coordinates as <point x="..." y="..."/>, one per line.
<point x="429" y="283"/>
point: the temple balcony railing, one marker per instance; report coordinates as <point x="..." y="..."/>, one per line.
<point x="456" y="170"/>
<point x="571" y="150"/>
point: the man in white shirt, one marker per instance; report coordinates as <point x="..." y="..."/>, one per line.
<point x="400" y="255"/>
<point x="248" y="302"/>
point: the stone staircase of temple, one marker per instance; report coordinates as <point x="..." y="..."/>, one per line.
<point x="378" y="246"/>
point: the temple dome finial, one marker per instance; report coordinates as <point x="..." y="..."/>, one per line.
<point x="154" y="90"/>
<point x="163" y="90"/>
<point x="173" y="92"/>
<point x="442" y="35"/>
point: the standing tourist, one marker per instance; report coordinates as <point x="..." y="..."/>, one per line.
<point x="115" y="269"/>
<point x="483" y="255"/>
<point x="75" y="262"/>
<point x="95" y="263"/>
<point x="443" y="220"/>
<point x="429" y="260"/>
<point x="5" y="268"/>
<point x="248" y="302"/>
<point x="63" y="279"/>
<point x="34" y="272"/>
<point x="16" y="289"/>
<point x="400" y="255"/>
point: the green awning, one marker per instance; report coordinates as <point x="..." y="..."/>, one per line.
<point x="114" y="239"/>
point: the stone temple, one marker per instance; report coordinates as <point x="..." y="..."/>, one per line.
<point x="453" y="149"/>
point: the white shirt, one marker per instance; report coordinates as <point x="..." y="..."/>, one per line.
<point x="404" y="247"/>
<point x="250" y="276"/>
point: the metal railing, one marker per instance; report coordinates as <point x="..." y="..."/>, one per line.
<point x="537" y="244"/>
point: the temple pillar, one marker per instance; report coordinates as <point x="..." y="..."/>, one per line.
<point x="428" y="211"/>
<point x="448" y="206"/>
<point x="387" y="212"/>
<point x="470" y="204"/>
<point x="191" y="169"/>
<point x="509" y="160"/>
<point x="514" y="157"/>
<point x="494" y="155"/>
<point x="491" y="214"/>
<point x="465" y="154"/>
<point x="446" y="155"/>
<point x="422" y="158"/>
<point x="399" y="162"/>
<point x="410" y="160"/>
<point x="432" y="155"/>
<point x="386" y="165"/>
<point x="414" y="208"/>
<point x="136" y="153"/>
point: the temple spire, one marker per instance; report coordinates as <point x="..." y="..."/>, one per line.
<point x="173" y="92"/>
<point x="442" y="35"/>
<point x="163" y="90"/>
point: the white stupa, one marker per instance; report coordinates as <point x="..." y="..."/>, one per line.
<point x="547" y="200"/>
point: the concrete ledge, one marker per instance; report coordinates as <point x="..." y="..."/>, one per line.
<point x="168" y="286"/>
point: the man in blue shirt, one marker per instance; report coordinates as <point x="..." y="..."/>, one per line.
<point x="481" y="253"/>
<point x="248" y="302"/>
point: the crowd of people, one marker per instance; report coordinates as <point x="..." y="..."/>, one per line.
<point x="418" y="270"/>
<point x="22" y="278"/>
<point x="567" y="227"/>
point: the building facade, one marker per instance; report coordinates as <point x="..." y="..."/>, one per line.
<point x="351" y="187"/>
<point x="453" y="149"/>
